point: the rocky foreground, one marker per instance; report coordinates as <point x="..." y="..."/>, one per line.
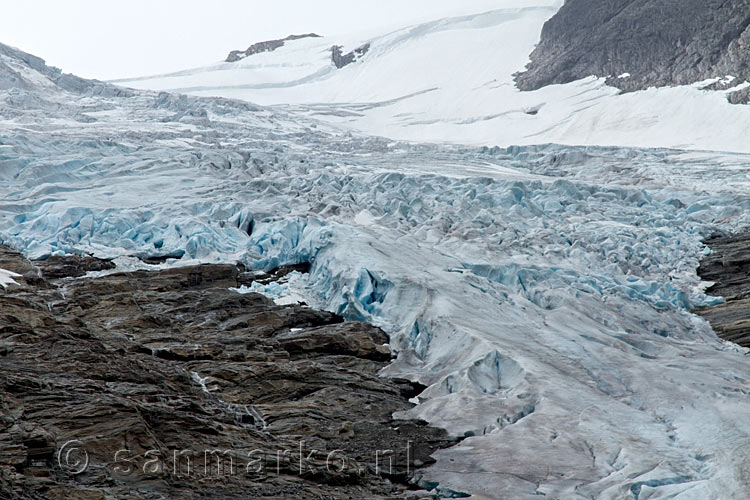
<point x="728" y="266"/>
<point x="165" y="384"/>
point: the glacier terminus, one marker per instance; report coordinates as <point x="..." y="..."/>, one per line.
<point x="542" y="289"/>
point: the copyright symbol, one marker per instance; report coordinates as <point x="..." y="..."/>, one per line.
<point x="72" y="457"/>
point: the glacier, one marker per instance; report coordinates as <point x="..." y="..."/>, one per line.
<point x="542" y="293"/>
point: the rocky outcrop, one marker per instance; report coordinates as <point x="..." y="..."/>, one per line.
<point x="166" y="384"/>
<point x="72" y="266"/>
<point x="728" y="266"/>
<point x="266" y="46"/>
<point x="741" y="96"/>
<point x="656" y="42"/>
<point x="340" y="59"/>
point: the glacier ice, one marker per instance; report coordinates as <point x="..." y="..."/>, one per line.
<point x="542" y="293"/>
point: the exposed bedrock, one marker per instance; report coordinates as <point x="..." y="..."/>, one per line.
<point x="340" y="59"/>
<point x="728" y="266"/>
<point x="177" y="387"/>
<point x="656" y="42"/>
<point x="265" y="46"/>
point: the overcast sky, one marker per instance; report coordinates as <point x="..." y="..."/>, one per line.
<point x="107" y="40"/>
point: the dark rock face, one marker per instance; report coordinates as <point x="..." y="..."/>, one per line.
<point x="740" y="96"/>
<point x="165" y="384"/>
<point x="266" y="46"/>
<point x="340" y="59"/>
<point x="729" y="267"/>
<point x="659" y="42"/>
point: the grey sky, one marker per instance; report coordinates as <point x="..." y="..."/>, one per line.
<point x="106" y="40"/>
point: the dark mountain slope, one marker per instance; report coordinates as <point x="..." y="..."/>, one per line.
<point x="659" y="42"/>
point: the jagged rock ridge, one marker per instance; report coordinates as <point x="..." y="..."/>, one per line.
<point x="266" y="46"/>
<point x="656" y="42"/>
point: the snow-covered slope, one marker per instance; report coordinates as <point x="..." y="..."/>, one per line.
<point x="541" y="292"/>
<point x="450" y="80"/>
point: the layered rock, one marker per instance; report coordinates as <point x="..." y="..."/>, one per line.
<point x="637" y="44"/>
<point x="728" y="266"/>
<point x="166" y="384"/>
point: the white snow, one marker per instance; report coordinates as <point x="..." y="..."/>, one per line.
<point x="449" y="80"/>
<point x="6" y="278"/>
